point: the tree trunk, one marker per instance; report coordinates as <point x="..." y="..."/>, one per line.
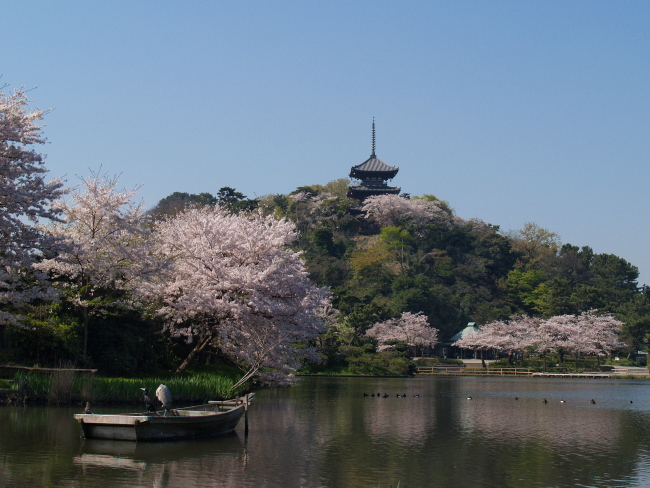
<point x="86" y="320"/>
<point x="197" y="349"/>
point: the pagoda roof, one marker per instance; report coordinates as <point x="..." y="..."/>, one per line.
<point x="362" y="192"/>
<point x="374" y="165"/>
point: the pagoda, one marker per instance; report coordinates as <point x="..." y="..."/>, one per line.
<point x="373" y="174"/>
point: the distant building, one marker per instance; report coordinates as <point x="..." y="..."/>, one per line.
<point x="451" y="351"/>
<point x="373" y="174"/>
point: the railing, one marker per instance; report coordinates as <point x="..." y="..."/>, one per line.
<point x="643" y="372"/>
<point x="462" y="371"/>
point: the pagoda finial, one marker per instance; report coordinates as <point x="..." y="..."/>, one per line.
<point x="373" y="138"/>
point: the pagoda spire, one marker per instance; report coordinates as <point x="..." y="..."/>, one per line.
<point x="373" y="139"/>
<point x="373" y="174"/>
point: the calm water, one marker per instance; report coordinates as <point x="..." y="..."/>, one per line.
<point x="325" y="433"/>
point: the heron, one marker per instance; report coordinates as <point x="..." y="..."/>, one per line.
<point x="87" y="409"/>
<point x="148" y="402"/>
<point x="164" y="396"/>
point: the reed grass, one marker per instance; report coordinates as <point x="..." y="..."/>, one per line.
<point x="60" y="388"/>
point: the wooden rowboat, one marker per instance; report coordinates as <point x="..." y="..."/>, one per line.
<point x="211" y="419"/>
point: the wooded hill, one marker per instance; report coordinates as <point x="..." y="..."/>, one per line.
<point x="89" y="279"/>
<point x="453" y="270"/>
<point x="414" y="255"/>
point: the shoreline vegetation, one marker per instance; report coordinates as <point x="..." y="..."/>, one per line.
<point x="369" y="365"/>
<point x="65" y="386"/>
<point x="61" y="386"/>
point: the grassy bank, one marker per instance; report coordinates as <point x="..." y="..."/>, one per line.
<point x="67" y="387"/>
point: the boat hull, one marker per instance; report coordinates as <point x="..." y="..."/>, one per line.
<point x="192" y="422"/>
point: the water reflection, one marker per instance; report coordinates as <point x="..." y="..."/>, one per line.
<point x="326" y="433"/>
<point x="560" y="424"/>
<point x="407" y="421"/>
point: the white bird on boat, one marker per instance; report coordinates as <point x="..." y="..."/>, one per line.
<point x="164" y="396"/>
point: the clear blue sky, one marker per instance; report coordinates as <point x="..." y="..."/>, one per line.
<point x="511" y="111"/>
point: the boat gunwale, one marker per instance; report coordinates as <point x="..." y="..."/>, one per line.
<point x="141" y="417"/>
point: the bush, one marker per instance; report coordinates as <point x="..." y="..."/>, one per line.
<point x="622" y="361"/>
<point x="385" y="363"/>
<point x="43" y="342"/>
<point x="430" y="362"/>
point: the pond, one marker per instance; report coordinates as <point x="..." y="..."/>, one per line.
<point x="324" y="432"/>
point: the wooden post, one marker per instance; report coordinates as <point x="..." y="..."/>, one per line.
<point x="246" y="415"/>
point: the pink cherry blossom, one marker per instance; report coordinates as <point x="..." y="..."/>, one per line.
<point x="393" y="210"/>
<point x="106" y="244"/>
<point x="25" y="200"/>
<point x="411" y="328"/>
<point x="584" y="334"/>
<point x="235" y="283"/>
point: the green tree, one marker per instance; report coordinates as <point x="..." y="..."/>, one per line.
<point x="523" y="288"/>
<point x="635" y="315"/>
<point x="398" y="243"/>
<point x="178" y="201"/>
<point x="535" y="244"/>
<point x="368" y="263"/>
<point x="412" y="294"/>
<point x="235" y="201"/>
<point x="615" y="279"/>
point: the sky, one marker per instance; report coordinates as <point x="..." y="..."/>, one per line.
<point x="510" y="111"/>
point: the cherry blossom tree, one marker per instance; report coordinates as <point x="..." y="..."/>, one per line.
<point x="602" y="331"/>
<point x="510" y="336"/>
<point x="235" y="284"/>
<point x="553" y="335"/>
<point x="393" y="210"/>
<point x="585" y="334"/>
<point x="411" y="328"/>
<point x="25" y="199"/>
<point x="107" y="241"/>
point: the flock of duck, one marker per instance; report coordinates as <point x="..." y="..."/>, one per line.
<point x="386" y="395"/>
